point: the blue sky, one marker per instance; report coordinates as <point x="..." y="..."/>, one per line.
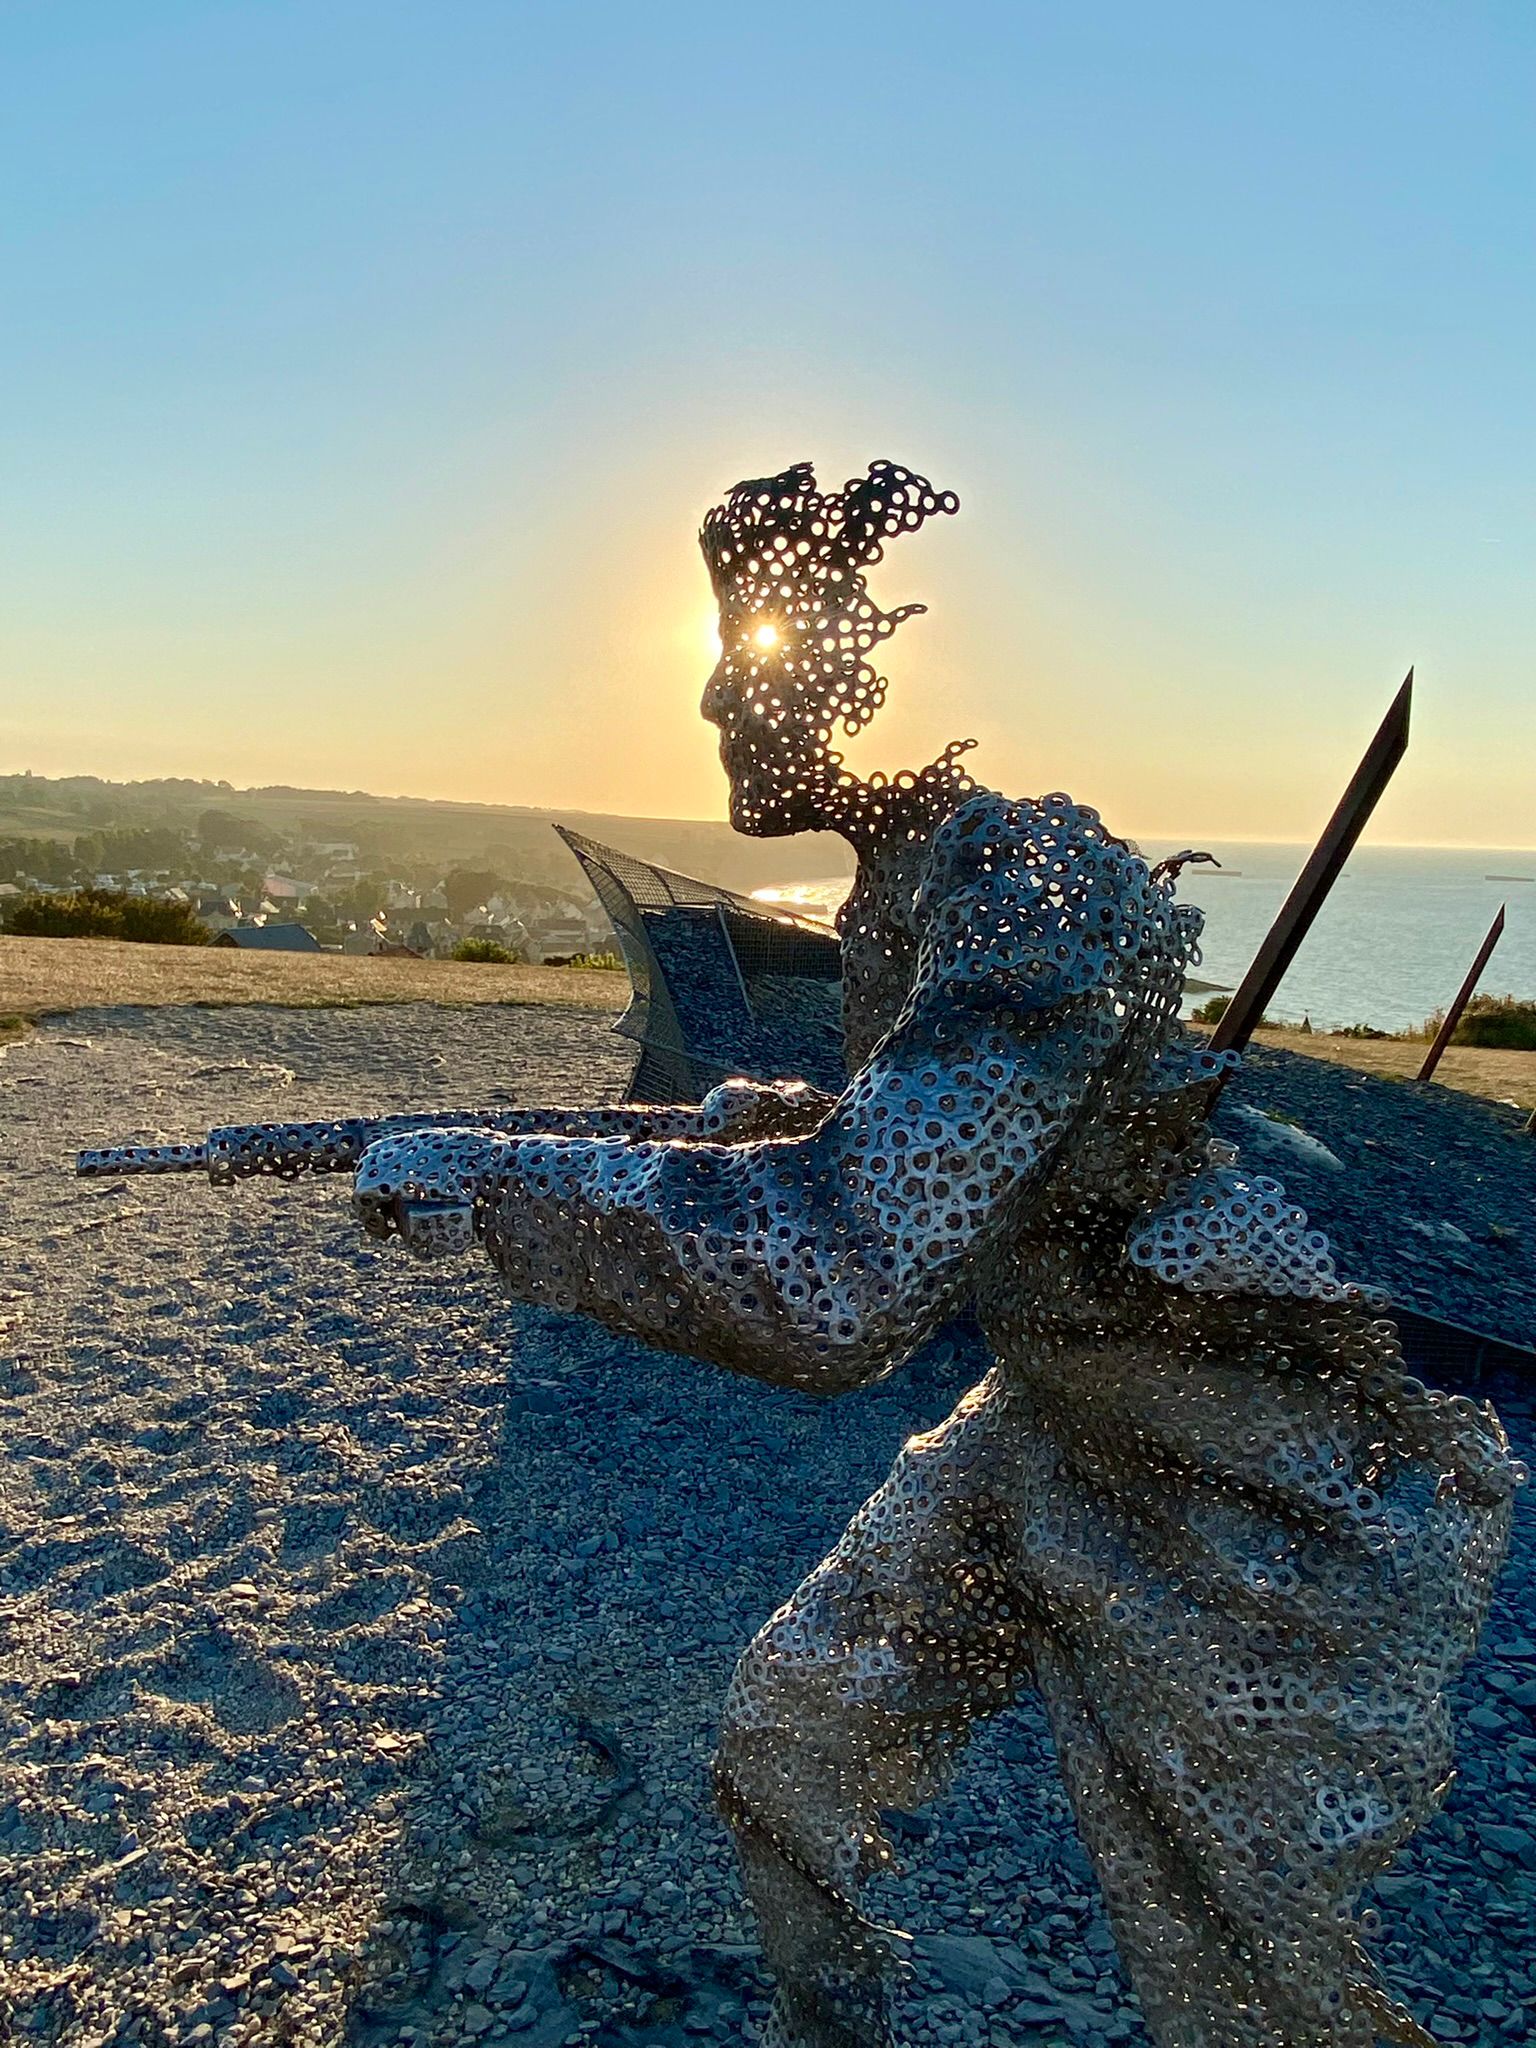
<point x="365" y="370"/>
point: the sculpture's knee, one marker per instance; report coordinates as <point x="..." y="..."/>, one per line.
<point x="748" y="1772"/>
<point x="789" y="1775"/>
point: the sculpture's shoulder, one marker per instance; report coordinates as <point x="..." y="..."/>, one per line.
<point x="981" y="880"/>
<point x="1034" y="901"/>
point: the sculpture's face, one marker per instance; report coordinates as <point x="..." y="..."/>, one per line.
<point x="775" y="732"/>
<point x="796" y="628"/>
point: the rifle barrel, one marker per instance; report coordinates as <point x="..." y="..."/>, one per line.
<point x="119" y="1159"/>
<point x="241" y="1151"/>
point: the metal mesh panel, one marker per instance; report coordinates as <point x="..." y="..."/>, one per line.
<point x="647" y="885"/>
<point x="720" y="985"/>
<point x="769" y="945"/>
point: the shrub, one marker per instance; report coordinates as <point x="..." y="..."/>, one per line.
<point x="485" y="950"/>
<point x="1359" y="1031"/>
<point x="1214" y="1008"/>
<point x="108" y="914"/>
<point x="606" y="963"/>
<point x="1502" y="1023"/>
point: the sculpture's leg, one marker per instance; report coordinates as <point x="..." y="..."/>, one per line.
<point x="1208" y="1971"/>
<point x="855" y="1698"/>
<point x="1247" y="1670"/>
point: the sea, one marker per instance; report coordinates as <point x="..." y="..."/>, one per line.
<point x="1390" y="946"/>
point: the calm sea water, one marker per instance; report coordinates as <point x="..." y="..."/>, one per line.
<point x="1392" y="943"/>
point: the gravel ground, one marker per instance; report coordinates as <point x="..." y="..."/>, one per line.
<point x="364" y="1636"/>
<point x="1424" y="1192"/>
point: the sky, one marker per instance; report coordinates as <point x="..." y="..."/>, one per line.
<point x="365" y="370"/>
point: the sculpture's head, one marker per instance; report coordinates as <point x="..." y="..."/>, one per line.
<point x="797" y="628"/>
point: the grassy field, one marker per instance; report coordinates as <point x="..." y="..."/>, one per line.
<point x="42" y="977"/>
<point x="39" y="977"/>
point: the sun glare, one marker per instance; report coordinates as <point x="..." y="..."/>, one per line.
<point x="767" y="636"/>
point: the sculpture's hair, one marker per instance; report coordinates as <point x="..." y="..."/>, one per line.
<point x="782" y="553"/>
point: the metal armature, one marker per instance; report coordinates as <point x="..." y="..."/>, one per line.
<point x="1197" y="1504"/>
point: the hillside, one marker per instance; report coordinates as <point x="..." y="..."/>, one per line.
<point x="396" y="832"/>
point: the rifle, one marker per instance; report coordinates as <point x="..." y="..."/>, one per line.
<point x="286" y="1151"/>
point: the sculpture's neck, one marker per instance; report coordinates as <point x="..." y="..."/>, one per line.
<point x="875" y="814"/>
<point x="890" y="826"/>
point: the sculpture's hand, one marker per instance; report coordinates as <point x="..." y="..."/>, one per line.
<point x="430" y="1191"/>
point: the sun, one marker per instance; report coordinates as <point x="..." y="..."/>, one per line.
<point x="767" y="636"/>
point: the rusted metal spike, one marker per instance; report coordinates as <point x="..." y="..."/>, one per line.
<point x="1311" y="887"/>
<point x="1464" y="995"/>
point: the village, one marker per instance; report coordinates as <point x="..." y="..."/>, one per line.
<point x="305" y="895"/>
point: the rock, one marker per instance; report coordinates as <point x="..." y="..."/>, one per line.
<point x="1509" y="1841"/>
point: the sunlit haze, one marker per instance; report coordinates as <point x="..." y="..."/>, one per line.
<point x="367" y="369"/>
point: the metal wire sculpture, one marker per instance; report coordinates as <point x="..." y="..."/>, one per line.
<point x="1197" y="1504"/>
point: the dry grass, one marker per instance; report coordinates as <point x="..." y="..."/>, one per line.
<point x="42" y="977"/>
<point x="1476" y="1070"/>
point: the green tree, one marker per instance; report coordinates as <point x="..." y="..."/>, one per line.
<point x="485" y="950"/>
<point x="226" y="832"/>
<point x="1501" y="1023"/>
<point x="465" y="889"/>
<point x="108" y="914"/>
<point x="153" y="849"/>
<point x="42" y="860"/>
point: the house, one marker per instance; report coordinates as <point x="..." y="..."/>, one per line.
<point x="270" y="938"/>
<point x="219" y="913"/>
<point x="554" y="941"/>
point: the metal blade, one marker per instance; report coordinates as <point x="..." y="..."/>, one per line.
<point x="1311" y="887"/>
<point x="1464" y="995"/>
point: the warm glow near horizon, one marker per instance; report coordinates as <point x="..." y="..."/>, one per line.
<point x="359" y="437"/>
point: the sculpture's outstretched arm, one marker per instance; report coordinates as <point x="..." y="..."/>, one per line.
<point x="817" y="1262"/>
<point x="733" y="1111"/>
<point x="822" y="1261"/>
